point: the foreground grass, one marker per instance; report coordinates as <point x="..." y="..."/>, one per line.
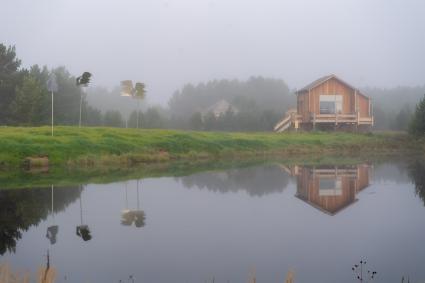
<point x="90" y="147"/>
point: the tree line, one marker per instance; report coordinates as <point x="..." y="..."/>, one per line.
<point x="25" y="100"/>
<point x="259" y="102"/>
<point x="393" y="108"/>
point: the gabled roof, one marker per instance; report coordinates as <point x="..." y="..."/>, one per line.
<point x="323" y="80"/>
<point x="323" y="209"/>
<point x="315" y="83"/>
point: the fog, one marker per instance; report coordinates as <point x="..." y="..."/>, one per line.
<point x="169" y="43"/>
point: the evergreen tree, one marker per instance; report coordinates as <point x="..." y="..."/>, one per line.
<point x="132" y="120"/>
<point x="417" y="125"/>
<point x="401" y="121"/>
<point x="30" y="105"/>
<point x="113" y="119"/>
<point x="153" y="119"/>
<point x="196" y="122"/>
<point x="67" y="99"/>
<point x="10" y="77"/>
<point x="93" y="116"/>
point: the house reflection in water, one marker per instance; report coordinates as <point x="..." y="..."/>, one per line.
<point x="331" y="188"/>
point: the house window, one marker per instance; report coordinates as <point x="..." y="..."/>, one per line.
<point x="330" y="104"/>
<point x="330" y="187"/>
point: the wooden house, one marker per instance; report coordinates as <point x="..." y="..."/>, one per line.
<point x="329" y="188"/>
<point x="329" y="103"/>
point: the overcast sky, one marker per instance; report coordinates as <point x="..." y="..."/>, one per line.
<point x="167" y="43"/>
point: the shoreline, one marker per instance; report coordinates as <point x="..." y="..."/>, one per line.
<point x="97" y="147"/>
<point x="65" y="176"/>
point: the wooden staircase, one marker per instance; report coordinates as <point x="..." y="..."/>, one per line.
<point x="286" y="122"/>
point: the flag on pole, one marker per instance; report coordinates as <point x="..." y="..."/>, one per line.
<point x="52" y="84"/>
<point x="127" y="88"/>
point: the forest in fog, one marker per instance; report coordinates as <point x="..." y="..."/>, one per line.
<point x="255" y="104"/>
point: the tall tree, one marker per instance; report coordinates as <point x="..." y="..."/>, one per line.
<point x="67" y="99"/>
<point x="196" y="122"/>
<point x="30" y="104"/>
<point x="113" y="119"/>
<point x="401" y="121"/>
<point x="134" y="116"/>
<point x="93" y="116"/>
<point x="10" y="77"/>
<point x="153" y="118"/>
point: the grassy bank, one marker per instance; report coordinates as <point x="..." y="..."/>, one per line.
<point x="112" y="146"/>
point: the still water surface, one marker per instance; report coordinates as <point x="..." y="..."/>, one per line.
<point x="317" y="221"/>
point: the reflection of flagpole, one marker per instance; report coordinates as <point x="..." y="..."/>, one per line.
<point x="81" y="209"/>
<point x="52" y="201"/>
<point x="83" y="230"/>
<point x="138" y="194"/>
<point x="53" y="229"/>
<point x="126" y="198"/>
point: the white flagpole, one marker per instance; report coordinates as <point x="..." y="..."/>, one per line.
<point x="52" y="113"/>
<point x="52" y="86"/>
<point x="137" y="114"/>
<point x="81" y="102"/>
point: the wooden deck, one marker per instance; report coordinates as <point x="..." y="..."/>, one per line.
<point x="341" y="118"/>
<point x="294" y="120"/>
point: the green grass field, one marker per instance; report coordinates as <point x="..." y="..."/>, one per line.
<point x="72" y="146"/>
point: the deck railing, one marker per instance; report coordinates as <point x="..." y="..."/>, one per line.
<point x="340" y="118"/>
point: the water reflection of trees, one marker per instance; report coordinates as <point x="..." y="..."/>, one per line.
<point x="417" y="174"/>
<point x="21" y="209"/>
<point x="404" y="172"/>
<point x="256" y="181"/>
<point x="395" y="171"/>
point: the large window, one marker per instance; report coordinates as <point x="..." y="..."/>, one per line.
<point x="330" y="187"/>
<point x="330" y="104"/>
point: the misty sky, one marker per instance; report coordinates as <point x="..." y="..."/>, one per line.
<point x="167" y="43"/>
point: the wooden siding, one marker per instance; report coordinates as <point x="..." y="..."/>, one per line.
<point x="303" y="107"/>
<point x="362" y="177"/>
<point x="363" y="103"/>
<point x="308" y="189"/>
<point x="332" y="87"/>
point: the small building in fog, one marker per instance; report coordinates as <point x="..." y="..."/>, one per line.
<point x="220" y="108"/>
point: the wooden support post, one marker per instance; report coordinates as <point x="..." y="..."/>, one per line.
<point x="355" y="101"/>
<point x="357" y="119"/>
<point x="368" y="108"/>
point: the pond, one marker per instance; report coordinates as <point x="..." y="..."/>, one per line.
<point x="233" y="225"/>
